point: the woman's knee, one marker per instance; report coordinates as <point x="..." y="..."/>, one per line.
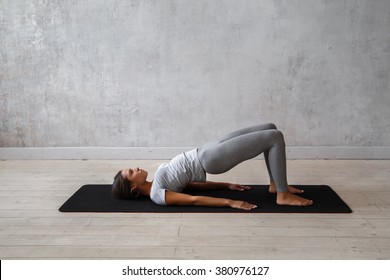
<point x="271" y="126"/>
<point x="278" y="137"/>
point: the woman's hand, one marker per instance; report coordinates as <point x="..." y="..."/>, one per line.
<point x="237" y="187"/>
<point x="243" y="205"/>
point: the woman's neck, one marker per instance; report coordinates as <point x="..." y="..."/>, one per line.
<point x="145" y="188"/>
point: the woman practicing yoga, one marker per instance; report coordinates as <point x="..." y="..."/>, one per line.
<point x="188" y="171"/>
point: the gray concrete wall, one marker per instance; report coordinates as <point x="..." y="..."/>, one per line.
<point x="162" y="73"/>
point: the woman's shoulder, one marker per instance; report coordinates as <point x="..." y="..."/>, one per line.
<point x="161" y="169"/>
<point x="160" y="175"/>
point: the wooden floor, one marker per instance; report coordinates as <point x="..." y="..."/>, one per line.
<point x="32" y="228"/>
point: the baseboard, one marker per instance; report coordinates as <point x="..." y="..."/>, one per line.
<point x="322" y="152"/>
<point x="102" y="153"/>
<point x="92" y="153"/>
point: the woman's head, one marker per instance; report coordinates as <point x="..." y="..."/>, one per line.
<point x="126" y="183"/>
<point x="121" y="188"/>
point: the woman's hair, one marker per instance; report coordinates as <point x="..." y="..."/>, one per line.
<point x="121" y="188"/>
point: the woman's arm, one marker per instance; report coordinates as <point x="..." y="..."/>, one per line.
<point x="208" y="185"/>
<point x="174" y="198"/>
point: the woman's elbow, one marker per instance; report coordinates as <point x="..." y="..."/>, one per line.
<point x="172" y="198"/>
<point x="195" y="200"/>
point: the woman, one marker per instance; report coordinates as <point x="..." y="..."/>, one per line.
<point x="188" y="171"/>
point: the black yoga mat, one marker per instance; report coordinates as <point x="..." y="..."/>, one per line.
<point x="97" y="198"/>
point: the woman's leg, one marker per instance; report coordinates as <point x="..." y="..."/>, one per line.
<point x="220" y="156"/>
<point x="247" y="130"/>
<point x="251" y="129"/>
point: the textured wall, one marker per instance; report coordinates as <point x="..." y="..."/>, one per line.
<point x="178" y="73"/>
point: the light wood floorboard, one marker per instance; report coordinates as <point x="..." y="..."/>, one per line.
<point x="31" y="227"/>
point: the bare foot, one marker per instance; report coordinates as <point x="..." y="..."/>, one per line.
<point x="291" y="189"/>
<point x="286" y="198"/>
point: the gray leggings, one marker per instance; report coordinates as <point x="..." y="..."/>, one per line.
<point x="220" y="156"/>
